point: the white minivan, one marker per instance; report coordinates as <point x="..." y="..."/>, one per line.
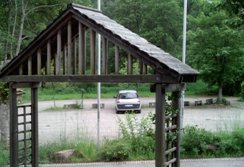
<point x="127" y="100"/>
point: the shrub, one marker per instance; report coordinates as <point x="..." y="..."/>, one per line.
<point x="242" y="90"/>
<point x="201" y="143"/>
<point x="115" y="150"/>
<point x="4" y="155"/>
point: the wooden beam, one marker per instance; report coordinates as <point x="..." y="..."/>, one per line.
<point x="93" y="51"/>
<point x="39" y="61"/>
<point x="116" y="59"/>
<point x="13" y="127"/>
<point x="69" y="58"/>
<point x="129" y="64"/>
<point x="92" y="78"/>
<point x="30" y="65"/>
<point x="26" y="85"/>
<point x="34" y="127"/>
<point x="125" y="45"/>
<point x="82" y="50"/>
<point x="58" y="55"/>
<point x="48" y="65"/>
<point x="160" y="126"/>
<point x="42" y="39"/>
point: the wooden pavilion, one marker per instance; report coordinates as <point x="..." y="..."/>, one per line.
<point x="66" y="51"/>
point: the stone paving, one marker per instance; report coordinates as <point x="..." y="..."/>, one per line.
<point x="221" y="162"/>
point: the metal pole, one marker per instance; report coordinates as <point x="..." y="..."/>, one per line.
<point x="184" y="61"/>
<point x="98" y="84"/>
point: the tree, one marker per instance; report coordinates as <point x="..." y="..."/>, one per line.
<point x="159" y="21"/>
<point x="215" y="48"/>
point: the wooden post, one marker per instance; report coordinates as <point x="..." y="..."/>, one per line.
<point x="69" y="67"/>
<point x="116" y="59"/>
<point x="39" y="62"/>
<point x="104" y="55"/>
<point x="74" y="56"/>
<point x="65" y="63"/>
<point x="21" y="69"/>
<point x="82" y="50"/>
<point x="30" y="65"/>
<point x="93" y="51"/>
<point x="176" y="104"/>
<point x="34" y="126"/>
<point x="160" y="126"/>
<point x="129" y="64"/>
<point x="48" y="68"/>
<point x="13" y="127"/>
<point x="143" y="68"/>
<point x="58" y="55"/>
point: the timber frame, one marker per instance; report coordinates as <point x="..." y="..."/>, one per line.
<point x="61" y="53"/>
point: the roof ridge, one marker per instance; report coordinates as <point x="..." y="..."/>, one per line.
<point x="84" y="7"/>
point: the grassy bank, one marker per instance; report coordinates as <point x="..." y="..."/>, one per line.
<point x="65" y="91"/>
<point x="196" y="143"/>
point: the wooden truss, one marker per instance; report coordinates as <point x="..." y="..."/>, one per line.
<point x="67" y="52"/>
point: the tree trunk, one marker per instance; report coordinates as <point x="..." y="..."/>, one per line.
<point x="6" y="51"/>
<point x="220" y="94"/>
<point x="14" y="27"/>
<point x="21" y="28"/>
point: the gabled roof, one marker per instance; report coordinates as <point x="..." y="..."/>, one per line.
<point x="126" y="39"/>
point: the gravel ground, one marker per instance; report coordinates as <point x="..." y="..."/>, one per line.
<point x="231" y="162"/>
<point x="56" y="125"/>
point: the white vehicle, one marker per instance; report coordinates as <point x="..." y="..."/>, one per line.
<point x="127" y="100"/>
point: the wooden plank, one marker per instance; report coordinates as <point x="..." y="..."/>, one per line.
<point x="75" y="56"/>
<point x="40" y="40"/>
<point x="128" y="48"/>
<point x="39" y="61"/>
<point x="91" y="78"/>
<point x="116" y="59"/>
<point x="21" y="69"/>
<point x="104" y="55"/>
<point x="69" y="57"/>
<point x="92" y="51"/>
<point x="34" y="127"/>
<point x="48" y="65"/>
<point x="160" y="126"/>
<point x="129" y="64"/>
<point x="65" y="64"/>
<point x="176" y="104"/>
<point x="30" y="65"/>
<point x="58" y="55"/>
<point x="82" y="50"/>
<point x="13" y="127"/>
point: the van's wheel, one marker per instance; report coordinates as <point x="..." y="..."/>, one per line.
<point x="138" y="111"/>
<point x="117" y="112"/>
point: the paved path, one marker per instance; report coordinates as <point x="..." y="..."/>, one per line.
<point x="224" y="162"/>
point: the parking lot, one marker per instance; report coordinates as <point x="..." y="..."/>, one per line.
<point x="69" y="124"/>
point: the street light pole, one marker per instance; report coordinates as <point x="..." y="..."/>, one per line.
<point x="98" y="84"/>
<point x="184" y="61"/>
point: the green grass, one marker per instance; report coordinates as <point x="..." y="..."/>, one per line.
<point x="196" y="143"/>
<point x="200" y="88"/>
<point x="86" y="150"/>
<point x="65" y="91"/>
